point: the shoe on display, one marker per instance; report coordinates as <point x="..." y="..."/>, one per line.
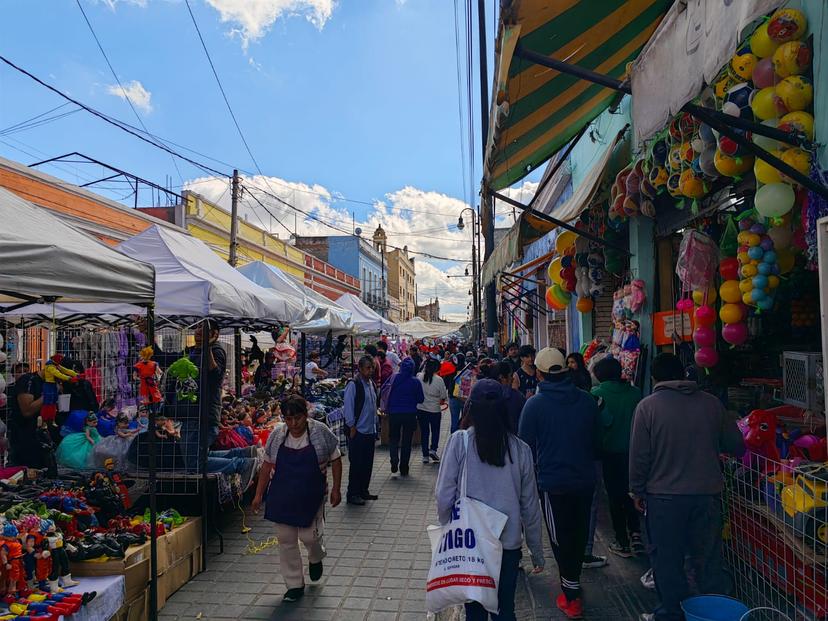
<point x="592" y="561"/>
<point x="293" y="595"/>
<point x="619" y="550"/>
<point x="315" y="571"/>
<point x="355" y="500"/>
<point x="636" y="544"/>
<point x="573" y="609"/>
<point x="434" y="456"/>
<point x="67" y="582"/>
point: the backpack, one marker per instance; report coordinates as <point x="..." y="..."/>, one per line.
<point x="385" y="392"/>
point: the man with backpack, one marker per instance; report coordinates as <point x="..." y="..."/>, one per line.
<point x="360" y="419"/>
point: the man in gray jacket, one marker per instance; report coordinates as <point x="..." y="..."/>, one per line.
<point x="677" y="436"/>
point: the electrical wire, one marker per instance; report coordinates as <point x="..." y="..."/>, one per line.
<point x="121" y="86"/>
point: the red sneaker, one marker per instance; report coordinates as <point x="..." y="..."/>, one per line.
<point x="572" y="609"/>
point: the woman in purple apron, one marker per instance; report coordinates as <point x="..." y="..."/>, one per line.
<point x="293" y="486"/>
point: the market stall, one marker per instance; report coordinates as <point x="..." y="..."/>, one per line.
<point x="365" y="320"/>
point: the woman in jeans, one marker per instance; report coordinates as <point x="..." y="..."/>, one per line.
<point x="429" y="411"/>
<point x="406" y="393"/>
<point x="500" y="473"/>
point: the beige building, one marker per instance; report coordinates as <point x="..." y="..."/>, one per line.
<point x="401" y="277"/>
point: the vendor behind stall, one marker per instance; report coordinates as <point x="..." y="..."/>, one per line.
<point x="29" y="443"/>
<point x="297" y="456"/>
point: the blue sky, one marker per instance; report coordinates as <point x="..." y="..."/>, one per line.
<point x="355" y="97"/>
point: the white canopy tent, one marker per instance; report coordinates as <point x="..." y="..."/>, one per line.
<point x="418" y="328"/>
<point x="43" y="257"/>
<point x="193" y="281"/>
<point x="365" y="320"/>
<point x="321" y="314"/>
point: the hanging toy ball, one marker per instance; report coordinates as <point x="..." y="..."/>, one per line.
<point x="732" y="313"/>
<point x="729" y="268"/>
<point x="768" y="144"/>
<point x="800" y="121"/>
<point x="796" y="92"/>
<point x="659" y="152"/>
<point x="735" y="333"/>
<point x="732" y="166"/>
<point x="792" y="58"/>
<point x="774" y="200"/>
<point x="767" y="103"/>
<point x="786" y="25"/>
<point x="737" y="100"/>
<point x="692" y="185"/>
<point x="704" y="336"/>
<point x="698" y="296"/>
<point x="705" y="316"/>
<point x="798" y="159"/>
<point x="673" y="185"/>
<point x="552" y="302"/>
<point x="764" y="74"/>
<point x="584" y="305"/>
<point x="684" y="305"/>
<point x="706" y="357"/>
<point x="766" y="173"/>
<point x="729" y="291"/>
<point x="743" y="64"/>
<point x="658" y="176"/>
<point x="760" y="42"/>
<point x="674" y="158"/>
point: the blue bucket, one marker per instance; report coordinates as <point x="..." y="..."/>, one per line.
<point x="713" y="608"/>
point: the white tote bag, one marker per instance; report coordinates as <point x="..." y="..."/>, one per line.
<point x="466" y="553"/>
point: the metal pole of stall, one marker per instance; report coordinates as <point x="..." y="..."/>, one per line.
<point x="153" y="500"/>
<point x="303" y="360"/>
<point x="353" y="370"/>
<point x="203" y="419"/>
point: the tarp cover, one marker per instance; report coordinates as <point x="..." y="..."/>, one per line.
<point x="687" y="50"/>
<point x="418" y="328"/>
<point x="42" y="256"/>
<point x="193" y="281"/>
<point x="365" y="320"/>
<point x="321" y="314"/>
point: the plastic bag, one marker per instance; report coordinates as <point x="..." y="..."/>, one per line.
<point x="698" y="260"/>
<point x="466" y="553"/>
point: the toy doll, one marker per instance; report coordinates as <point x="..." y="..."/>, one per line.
<point x="11" y="562"/>
<point x="148" y="373"/>
<point x="60" y="576"/>
<point x="77" y="449"/>
<point x="116" y="446"/>
<point x="52" y="372"/>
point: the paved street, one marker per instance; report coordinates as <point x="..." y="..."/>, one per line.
<point x="376" y="567"/>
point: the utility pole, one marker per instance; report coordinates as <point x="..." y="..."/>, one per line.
<point x="232" y="260"/>
<point x="486" y="205"/>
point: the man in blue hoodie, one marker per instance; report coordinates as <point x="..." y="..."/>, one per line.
<point x="560" y="424"/>
<point x="405" y="394"/>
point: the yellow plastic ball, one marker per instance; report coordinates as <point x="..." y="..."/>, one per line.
<point x="748" y="271"/>
<point x="747" y="298"/>
<point x="767" y="103"/>
<point x="565" y="243"/>
<point x="731" y="312"/>
<point x="732" y="166"/>
<point x="743" y="65"/>
<point x="766" y="173"/>
<point x="698" y="296"/>
<point x="554" y="270"/>
<point x="800" y="121"/>
<point x="760" y="42"/>
<point x="798" y="159"/>
<point x="791" y="58"/>
<point x="742" y="238"/>
<point x="752" y="239"/>
<point x="786" y="25"/>
<point x="743" y="257"/>
<point x="746" y="285"/>
<point x="729" y="291"/>
<point x="773" y="281"/>
<point x="691" y="184"/>
<point x="796" y="92"/>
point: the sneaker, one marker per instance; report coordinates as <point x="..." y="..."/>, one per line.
<point x="591" y="561"/>
<point x="619" y="550"/>
<point x="394" y="468"/>
<point x="425" y="460"/>
<point x="573" y="609"/>
<point x="315" y="571"/>
<point x="647" y="580"/>
<point x="434" y="456"/>
<point x="636" y="545"/>
<point x="293" y="595"/>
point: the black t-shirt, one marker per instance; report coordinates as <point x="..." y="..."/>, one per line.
<point x="215" y="378"/>
<point x="24" y="440"/>
<point x="528" y="382"/>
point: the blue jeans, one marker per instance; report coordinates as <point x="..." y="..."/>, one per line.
<point x="224" y="462"/>
<point x="429" y="426"/>
<point x="505" y="591"/>
<point x="678" y="527"/>
<point x="456" y="409"/>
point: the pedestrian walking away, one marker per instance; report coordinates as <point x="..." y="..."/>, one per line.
<point x="293" y="486"/>
<point x="429" y="412"/>
<point x="360" y="407"/>
<point x="405" y="393"/>
<point x="500" y="473"/>
<point x="679" y="483"/>
<point x="559" y="424"/>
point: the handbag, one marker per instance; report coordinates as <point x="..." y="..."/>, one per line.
<point x="466" y="553"/>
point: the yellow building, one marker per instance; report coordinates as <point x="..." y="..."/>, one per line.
<point x="401" y="276"/>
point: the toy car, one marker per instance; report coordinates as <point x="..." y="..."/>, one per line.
<point x="805" y="503"/>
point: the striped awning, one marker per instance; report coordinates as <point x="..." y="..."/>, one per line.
<point x="536" y="110"/>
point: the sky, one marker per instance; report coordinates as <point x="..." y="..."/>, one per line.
<point x="350" y="108"/>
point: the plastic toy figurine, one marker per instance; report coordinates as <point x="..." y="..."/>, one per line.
<point x="37" y="561"/>
<point x="148" y="373"/>
<point x="185" y="373"/>
<point x="60" y="576"/>
<point x="11" y="562"/>
<point x="759" y="431"/>
<point x="52" y="372"/>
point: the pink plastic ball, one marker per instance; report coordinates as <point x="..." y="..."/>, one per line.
<point x="704" y="336"/>
<point x="706" y="357"/>
<point x="684" y="305"/>
<point x="735" y="333"/>
<point x="705" y="316"/>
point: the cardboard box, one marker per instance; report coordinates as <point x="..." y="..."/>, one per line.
<point x="135" y="567"/>
<point x="135" y="610"/>
<point x="180" y="542"/>
<point x="177" y="575"/>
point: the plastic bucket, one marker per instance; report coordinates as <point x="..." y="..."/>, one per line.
<point x="713" y="608"/>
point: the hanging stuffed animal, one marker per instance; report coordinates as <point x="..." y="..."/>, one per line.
<point x="185" y="374"/>
<point x="52" y="372"/>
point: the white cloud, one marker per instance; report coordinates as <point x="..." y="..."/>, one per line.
<point x="253" y="19"/>
<point x="422" y="220"/>
<point x="135" y="92"/>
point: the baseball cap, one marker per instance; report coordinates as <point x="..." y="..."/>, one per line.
<point x="486" y="390"/>
<point x="550" y="360"/>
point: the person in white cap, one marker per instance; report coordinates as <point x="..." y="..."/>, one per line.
<point x="559" y="423"/>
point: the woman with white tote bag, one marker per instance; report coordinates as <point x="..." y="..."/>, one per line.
<point x="485" y="488"/>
